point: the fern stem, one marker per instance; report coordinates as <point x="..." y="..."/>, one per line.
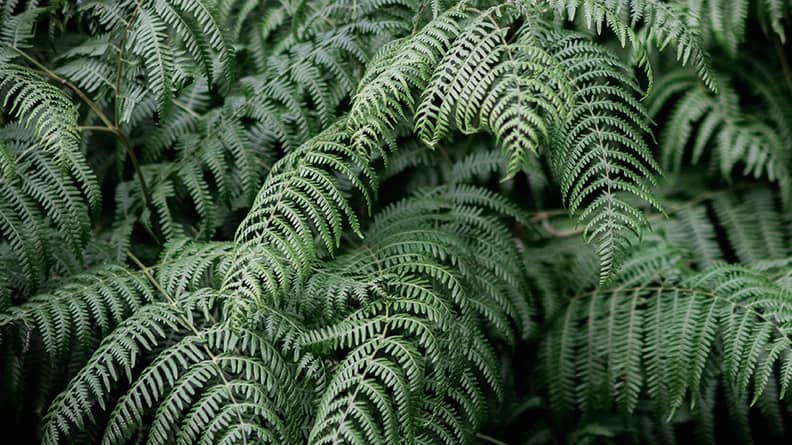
<point x="546" y="216"/>
<point x="490" y="439"/>
<point x="136" y="165"/>
<point x="361" y="377"/>
<point x="117" y="83"/>
<point x="101" y="115"/>
<point x="784" y="63"/>
<point x="95" y="128"/>
<point x="187" y="109"/>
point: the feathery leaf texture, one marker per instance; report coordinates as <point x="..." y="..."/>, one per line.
<point x="600" y="153"/>
<point x="655" y="330"/>
<point x="394" y="221"/>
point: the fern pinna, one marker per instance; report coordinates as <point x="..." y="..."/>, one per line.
<point x="532" y="221"/>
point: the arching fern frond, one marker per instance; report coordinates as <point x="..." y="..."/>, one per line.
<point x="41" y="107"/>
<point x="753" y="225"/>
<point x="222" y="386"/>
<point x="46" y="339"/>
<point x="301" y="197"/>
<point x="220" y="383"/>
<point x="387" y="93"/>
<point x="116" y="356"/>
<point x="40" y="194"/>
<point x="423" y="300"/>
<point x="519" y="84"/>
<point x="87" y="306"/>
<point x="17" y="30"/>
<point x="510" y="89"/>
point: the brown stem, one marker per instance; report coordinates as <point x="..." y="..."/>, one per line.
<point x="784" y="63"/>
<point x="490" y="439"/>
<point x="95" y="128"/>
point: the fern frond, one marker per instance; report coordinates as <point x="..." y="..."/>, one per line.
<point x="300" y="198"/>
<point x="87" y="306"/>
<point x="511" y="90"/>
<point x="722" y="128"/>
<point x="753" y="226"/>
<point x="154" y="31"/>
<point x="17" y="30"/>
<point x="116" y="357"/>
<point x="187" y="265"/>
<point x="775" y="12"/>
<point x="149" y="43"/>
<point x="665" y="24"/>
<point x="599" y="153"/>
<point x="236" y="384"/>
<point x="387" y="93"/>
<point x="670" y="319"/>
<point x="41" y="107"/>
<point x="40" y="195"/>
<point x="421" y="298"/>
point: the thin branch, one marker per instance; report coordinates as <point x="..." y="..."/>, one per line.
<point x="95" y="128"/>
<point x="490" y="439"/>
<point x="784" y="63"/>
<point x="559" y="233"/>
<point x="186" y="108"/>
<point x="545" y="217"/>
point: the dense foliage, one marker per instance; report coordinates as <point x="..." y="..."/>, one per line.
<point x="395" y="221"/>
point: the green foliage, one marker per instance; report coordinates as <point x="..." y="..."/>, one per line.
<point x="326" y="222"/>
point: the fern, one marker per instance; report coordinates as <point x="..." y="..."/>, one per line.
<point x="274" y="244"/>
<point x="143" y="30"/>
<point x="601" y="151"/>
<point x="368" y="221"/>
<point x="666" y="23"/>
<point x="666" y="323"/>
<point x="726" y="131"/>
<point x="44" y="108"/>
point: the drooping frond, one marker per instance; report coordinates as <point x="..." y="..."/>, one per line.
<point x="87" y="306"/>
<point x="520" y="85"/>
<point x="115" y="358"/>
<point x="43" y="108"/>
<point x="17" y="28"/>
<point x="703" y="126"/>
<point x="214" y="387"/>
<point x="665" y="23"/>
<point x="37" y="195"/>
<point x="655" y="330"/>
<point x="393" y="79"/>
<point x="600" y="156"/>
<point x="725" y="22"/>
<point x="510" y="89"/>
<point x="49" y="337"/>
